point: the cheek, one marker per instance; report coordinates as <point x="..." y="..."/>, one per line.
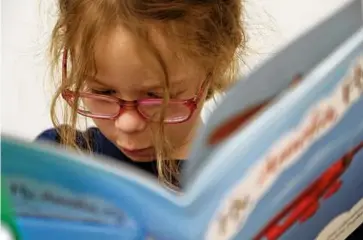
<point x="180" y="133"/>
<point x="107" y="127"/>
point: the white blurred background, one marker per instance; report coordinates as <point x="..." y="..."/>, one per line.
<point x="26" y="26"/>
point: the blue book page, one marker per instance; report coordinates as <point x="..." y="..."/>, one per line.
<point x="297" y="167"/>
<point x="65" y="195"/>
<point x="272" y="79"/>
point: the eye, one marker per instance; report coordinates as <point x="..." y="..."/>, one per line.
<point x="154" y="95"/>
<point x="102" y="92"/>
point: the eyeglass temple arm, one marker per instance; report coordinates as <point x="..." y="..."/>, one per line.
<point x="204" y="86"/>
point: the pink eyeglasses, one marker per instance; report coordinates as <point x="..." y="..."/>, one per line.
<point x="100" y="106"/>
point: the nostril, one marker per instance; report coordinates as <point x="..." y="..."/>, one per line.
<point x="130" y="121"/>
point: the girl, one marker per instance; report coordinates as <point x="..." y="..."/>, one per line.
<point x="141" y="70"/>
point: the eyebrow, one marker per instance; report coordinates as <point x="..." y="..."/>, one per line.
<point x="154" y="85"/>
<point x="94" y="79"/>
<point x="159" y="85"/>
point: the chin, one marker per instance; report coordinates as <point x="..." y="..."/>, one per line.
<point x="137" y="158"/>
<point x="143" y="159"/>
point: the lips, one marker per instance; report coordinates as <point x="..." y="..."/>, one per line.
<point x="142" y="152"/>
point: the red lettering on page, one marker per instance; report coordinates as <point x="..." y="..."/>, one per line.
<point x="319" y="121"/>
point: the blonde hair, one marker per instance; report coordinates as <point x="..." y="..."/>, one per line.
<point x="210" y="32"/>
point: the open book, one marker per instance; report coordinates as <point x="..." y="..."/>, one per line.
<point x="270" y="163"/>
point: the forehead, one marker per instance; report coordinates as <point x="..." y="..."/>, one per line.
<point x="121" y="54"/>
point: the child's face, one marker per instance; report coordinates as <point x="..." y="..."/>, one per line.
<point x="127" y="69"/>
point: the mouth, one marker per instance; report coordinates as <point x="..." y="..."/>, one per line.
<point x="141" y="152"/>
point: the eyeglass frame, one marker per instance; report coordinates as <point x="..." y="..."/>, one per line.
<point x="191" y="103"/>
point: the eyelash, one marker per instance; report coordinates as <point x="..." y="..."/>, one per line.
<point x="110" y="92"/>
<point x="153" y="95"/>
<point x="102" y="92"/>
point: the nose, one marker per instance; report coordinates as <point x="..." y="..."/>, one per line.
<point x="130" y="121"/>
